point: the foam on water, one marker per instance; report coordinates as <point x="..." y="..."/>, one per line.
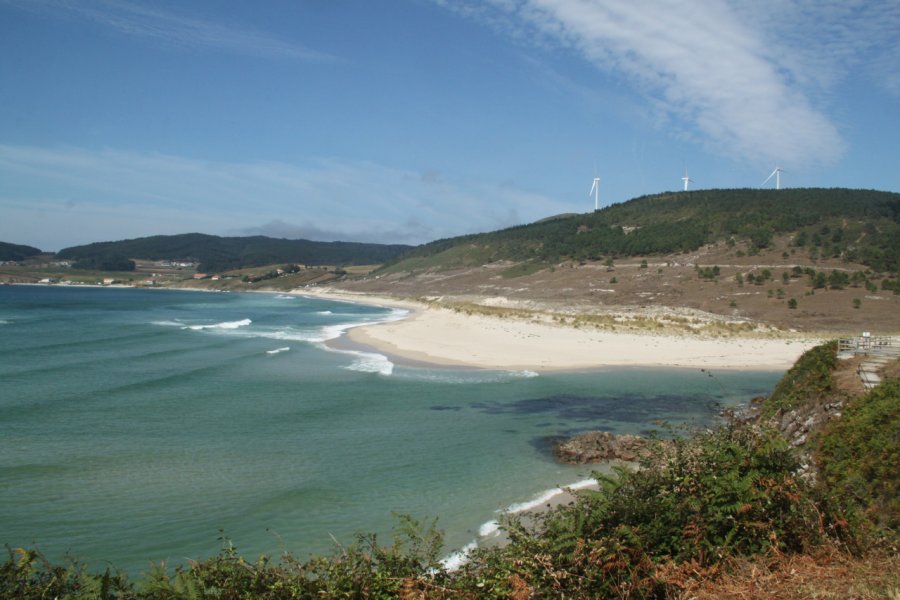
<point x="369" y="362"/>
<point x="331" y="332"/>
<point x="278" y="350"/>
<point x="489" y="529"/>
<point x="223" y="325"/>
<point x="543" y="497"/>
<point x="168" y="323"/>
<point x="454" y="561"/>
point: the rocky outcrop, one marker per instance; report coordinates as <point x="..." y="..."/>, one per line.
<point x="599" y="446"/>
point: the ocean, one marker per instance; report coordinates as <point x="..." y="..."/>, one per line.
<point x="142" y="425"/>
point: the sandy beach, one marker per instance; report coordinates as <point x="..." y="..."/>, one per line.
<point x="442" y="336"/>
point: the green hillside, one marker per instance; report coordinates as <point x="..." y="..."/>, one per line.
<point x="222" y="253"/>
<point x="858" y="225"/>
<point x="16" y="251"/>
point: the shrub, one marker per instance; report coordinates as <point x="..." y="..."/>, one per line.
<point x="810" y="377"/>
<point x="708" y="272"/>
<point x="720" y="494"/>
<point x="28" y="574"/>
<point x="858" y="456"/>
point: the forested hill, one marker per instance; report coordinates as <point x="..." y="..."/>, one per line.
<point x="222" y="253"/>
<point x="859" y="225"/>
<point x="16" y="251"/>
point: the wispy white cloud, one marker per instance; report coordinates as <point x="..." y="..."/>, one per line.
<point x="141" y="20"/>
<point x="319" y="199"/>
<point x="752" y="80"/>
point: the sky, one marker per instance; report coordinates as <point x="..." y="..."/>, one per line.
<point x="406" y="121"/>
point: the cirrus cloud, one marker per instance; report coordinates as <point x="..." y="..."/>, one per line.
<point x="748" y="80"/>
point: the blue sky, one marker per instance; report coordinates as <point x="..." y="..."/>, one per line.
<point x="404" y="121"/>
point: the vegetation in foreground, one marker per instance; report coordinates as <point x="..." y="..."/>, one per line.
<point x="707" y="516"/>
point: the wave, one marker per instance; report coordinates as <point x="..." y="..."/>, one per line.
<point x="4" y="322"/>
<point x="331" y="332"/>
<point x="491" y="529"/>
<point x="285" y="297"/>
<point x="369" y="362"/>
<point x="278" y="350"/>
<point x="223" y="325"/>
<point x="168" y="323"/>
<point x="324" y="312"/>
<point x="545" y="496"/>
<point x="454" y="561"/>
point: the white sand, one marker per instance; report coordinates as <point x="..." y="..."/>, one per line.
<point x="446" y="337"/>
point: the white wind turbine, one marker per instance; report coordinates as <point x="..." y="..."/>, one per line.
<point x="686" y="179"/>
<point x="777" y="174"/>
<point x="595" y="190"/>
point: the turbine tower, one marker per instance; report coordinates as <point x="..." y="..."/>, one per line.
<point x="686" y="179"/>
<point x="777" y="173"/>
<point x="595" y="190"/>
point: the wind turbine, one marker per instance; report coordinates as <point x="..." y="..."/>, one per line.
<point x="595" y="190"/>
<point x="686" y="180"/>
<point x="777" y="173"/>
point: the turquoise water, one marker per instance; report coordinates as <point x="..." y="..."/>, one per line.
<point x="137" y="424"/>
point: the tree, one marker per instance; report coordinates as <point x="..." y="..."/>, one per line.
<point x="792" y="303"/>
<point x="838" y="280"/>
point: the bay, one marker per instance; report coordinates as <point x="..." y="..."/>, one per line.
<point x="143" y="425"/>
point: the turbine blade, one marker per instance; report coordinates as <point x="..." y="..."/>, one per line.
<point x="769" y="177"/>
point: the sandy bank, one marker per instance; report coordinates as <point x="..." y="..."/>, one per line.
<point x="446" y="337"/>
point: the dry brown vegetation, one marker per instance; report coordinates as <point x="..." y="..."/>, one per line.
<point x="665" y="294"/>
<point x="826" y="574"/>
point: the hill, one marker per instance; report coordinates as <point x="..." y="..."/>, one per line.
<point x="214" y="253"/>
<point x="16" y="251"/>
<point x="811" y="260"/>
<point x="857" y="225"/>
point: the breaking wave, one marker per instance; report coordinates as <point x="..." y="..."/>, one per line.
<point x="223" y="325"/>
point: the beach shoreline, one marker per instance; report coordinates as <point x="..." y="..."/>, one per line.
<point x="440" y="336"/>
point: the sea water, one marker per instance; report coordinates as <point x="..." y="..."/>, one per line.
<point x="148" y="425"/>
